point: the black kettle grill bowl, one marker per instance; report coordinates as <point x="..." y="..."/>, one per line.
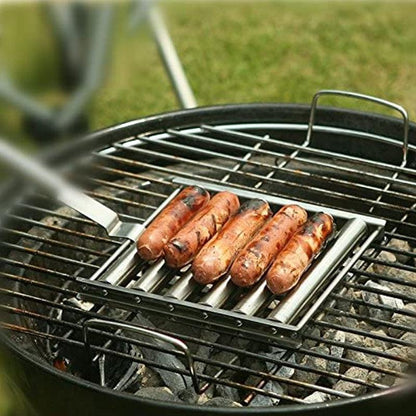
<point x="51" y="392"/>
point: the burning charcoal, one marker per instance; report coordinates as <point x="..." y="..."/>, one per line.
<point x="360" y="357"/>
<point x="188" y="395"/>
<point x="410" y="337"/>
<point x="317" y="397"/>
<point x="365" y="326"/>
<point x="149" y="378"/>
<point x="369" y="343"/>
<point x="202" y="399"/>
<point x="344" y="321"/>
<point x="382" y="268"/>
<point x="227" y="392"/>
<point x="221" y="402"/>
<point x="400" y="245"/>
<point x="277" y="353"/>
<point x="262" y="401"/>
<point x="404" y="275"/>
<point x="157" y="393"/>
<point x="376" y="343"/>
<point x="309" y="343"/>
<point x="335" y="351"/>
<point x="375" y="298"/>
<point x="349" y="386"/>
<point x="404" y="320"/>
<point x="285" y="371"/>
<point x="307" y="376"/>
<point x="346" y="303"/>
<point x="388" y="364"/>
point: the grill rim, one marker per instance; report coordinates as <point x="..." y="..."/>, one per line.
<point x="230" y="113"/>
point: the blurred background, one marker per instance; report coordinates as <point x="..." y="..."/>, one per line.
<point x="69" y="68"/>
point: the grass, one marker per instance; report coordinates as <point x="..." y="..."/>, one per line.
<point x="232" y="52"/>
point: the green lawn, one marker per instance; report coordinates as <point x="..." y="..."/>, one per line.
<point x="232" y="52"/>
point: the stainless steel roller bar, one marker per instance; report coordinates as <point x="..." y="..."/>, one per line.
<point x="293" y="303"/>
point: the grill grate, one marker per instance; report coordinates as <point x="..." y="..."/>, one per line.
<point x="351" y="346"/>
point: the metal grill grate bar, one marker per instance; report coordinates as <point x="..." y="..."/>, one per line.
<point x="133" y="162"/>
<point x="320" y="152"/>
<point x="287" y="159"/>
<point x="250" y="175"/>
<point x="198" y="358"/>
<point x="55" y="243"/>
<point x="90" y="314"/>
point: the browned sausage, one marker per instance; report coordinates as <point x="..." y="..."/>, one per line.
<point x="295" y="258"/>
<point x="216" y="256"/>
<point x="172" y="218"/>
<point x="257" y="255"/>
<point x="187" y="243"/>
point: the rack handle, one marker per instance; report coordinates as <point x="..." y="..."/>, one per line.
<point x="364" y="97"/>
<point x="177" y="343"/>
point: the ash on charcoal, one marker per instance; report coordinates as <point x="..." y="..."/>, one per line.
<point x="207" y="395"/>
<point x="344" y="321"/>
<point x="375" y="343"/>
<point x="149" y="378"/>
<point x="365" y="326"/>
<point x="387" y="257"/>
<point x="369" y="343"/>
<point x="404" y="275"/>
<point x="410" y="351"/>
<point x="307" y="376"/>
<point x="349" y="386"/>
<point x="335" y="351"/>
<point x="389" y="364"/>
<point x="309" y="343"/>
<point x="409" y="337"/>
<point x="404" y="320"/>
<point x="317" y="397"/>
<point x="262" y="401"/>
<point x="227" y="392"/>
<point x="157" y="393"/>
<point x="346" y="303"/>
<point x="360" y="357"/>
<point x="401" y="245"/>
<point x="188" y="395"/>
<point x="221" y="402"/>
<point x="284" y="371"/>
<point x="277" y="354"/>
<point x="375" y="298"/>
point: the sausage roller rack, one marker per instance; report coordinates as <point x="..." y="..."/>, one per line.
<point x="253" y="314"/>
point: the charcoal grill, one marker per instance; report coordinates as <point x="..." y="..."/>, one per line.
<point x="349" y="350"/>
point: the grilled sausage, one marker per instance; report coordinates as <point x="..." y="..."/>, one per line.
<point x="217" y="255"/>
<point x="299" y="252"/>
<point x="257" y="255"/>
<point x="190" y="239"/>
<point x="172" y="218"/>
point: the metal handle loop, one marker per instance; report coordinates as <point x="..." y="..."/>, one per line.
<point x="370" y="98"/>
<point x="180" y="345"/>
